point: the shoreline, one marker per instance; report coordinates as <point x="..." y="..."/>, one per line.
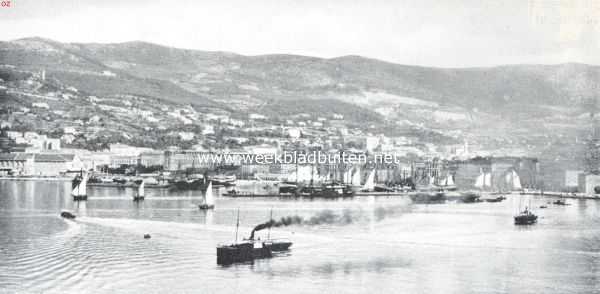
<point x="568" y="195"/>
<point x="37" y="178"/>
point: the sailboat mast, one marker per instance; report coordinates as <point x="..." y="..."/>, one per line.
<point x="269" y="231"/>
<point x="237" y="225"/>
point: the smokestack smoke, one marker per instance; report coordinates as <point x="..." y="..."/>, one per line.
<point x="329" y="217"/>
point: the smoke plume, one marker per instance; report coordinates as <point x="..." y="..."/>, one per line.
<point x="329" y="217"/>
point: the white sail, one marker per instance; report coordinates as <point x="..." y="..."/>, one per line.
<point x="370" y="183"/>
<point x="209" y="199"/>
<point x="347" y="176"/>
<point x="449" y="181"/>
<point x="356" y="177"/>
<point x="508" y="179"/>
<point x="479" y="182"/>
<point x="140" y="191"/>
<point x="516" y="181"/>
<point x="487" y="182"/>
<point x="431" y="180"/>
<point x="80" y="186"/>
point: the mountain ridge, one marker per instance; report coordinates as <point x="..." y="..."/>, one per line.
<point x="219" y="78"/>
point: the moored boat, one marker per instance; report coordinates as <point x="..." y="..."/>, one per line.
<point x="496" y="199"/>
<point x="560" y="202"/>
<point x="224" y="180"/>
<point x="428" y="197"/>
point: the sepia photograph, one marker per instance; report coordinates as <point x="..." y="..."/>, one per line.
<point x="299" y="146"/>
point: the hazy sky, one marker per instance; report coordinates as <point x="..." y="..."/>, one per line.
<point x="432" y="33"/>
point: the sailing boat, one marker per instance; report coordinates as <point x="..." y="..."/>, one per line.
<point x="484" y="180"/>
<point x="347" y="176"/>
<point x="487" y="180"/>
<point x="79" y="187"/>
<point x="516" y="181"/>
<point x="140" y="193"/>
<point x="448" y="183"/>
<point x="356" y="177"/>
<point x="480" y="181"/>
<point x="209" y="199"/>
<point x="369" y="185"/>
<point x="513" y="182"/>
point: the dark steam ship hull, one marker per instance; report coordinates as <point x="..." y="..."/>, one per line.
<point x="428" y="197"/>
<point x="241" y="252"/>
<point x="525" y="219"/>
<point x="190" y="185"/>
<point x="206" y="206"/>
<point x="277" y="246"/>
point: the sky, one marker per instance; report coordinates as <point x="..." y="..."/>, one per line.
<point x="447" y="33"/>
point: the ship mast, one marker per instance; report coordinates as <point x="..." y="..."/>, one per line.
<point x="270" y="219"/>
<point x="237" y="225"/>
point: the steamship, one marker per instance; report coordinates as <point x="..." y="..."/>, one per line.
<point x="239" y="252"/>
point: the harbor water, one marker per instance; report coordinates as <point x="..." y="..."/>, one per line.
<point x="356" y="245"/>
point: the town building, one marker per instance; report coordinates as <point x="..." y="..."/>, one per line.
<point x="16" y="164"/>
<point x="54" y="164"/>
<point x="155" y="158"/>
<point x="588" y="183"/>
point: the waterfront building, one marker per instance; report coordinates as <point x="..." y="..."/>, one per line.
<point x="55" y="164"/>
<point x="16" y="164"/>
<point x="154" y="158"/>
<point x="119" y="160"/>
<point x="572" y="180"/>
<point x="187" y="159"/>
<point x="122" y="149"/>
<point x="589" y="183"/>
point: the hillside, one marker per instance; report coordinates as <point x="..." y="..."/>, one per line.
<point x="203" y="77"/>
<point x="509" y="101"/>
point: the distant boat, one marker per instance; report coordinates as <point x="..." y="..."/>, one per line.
<point x="67" y="214"/>
<point x="525" y="217"/>
<point x="331" y="191"/>
<point x="513" y="181"/>
<point x="189" y="184"/>
<point x="448" y="183"/>
<point x="469" y="197"/>
<point x="369" y="185"/>
<point x="356" y="178"/>
<point x="487" y="182"/>
<point x="560" y="202"/>
<point x="428" y="197"/>
<point x="140" y="193"/>
<point x="223" y="180"/>
<point x="79" y="187"/>
<point x="483" y="181"/>
<point x="288" y="188"/>
<point x="209" y="199"/>
<point x="497" y="199"/>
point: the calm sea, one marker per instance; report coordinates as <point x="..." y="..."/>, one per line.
<point x="358" y="245"/>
